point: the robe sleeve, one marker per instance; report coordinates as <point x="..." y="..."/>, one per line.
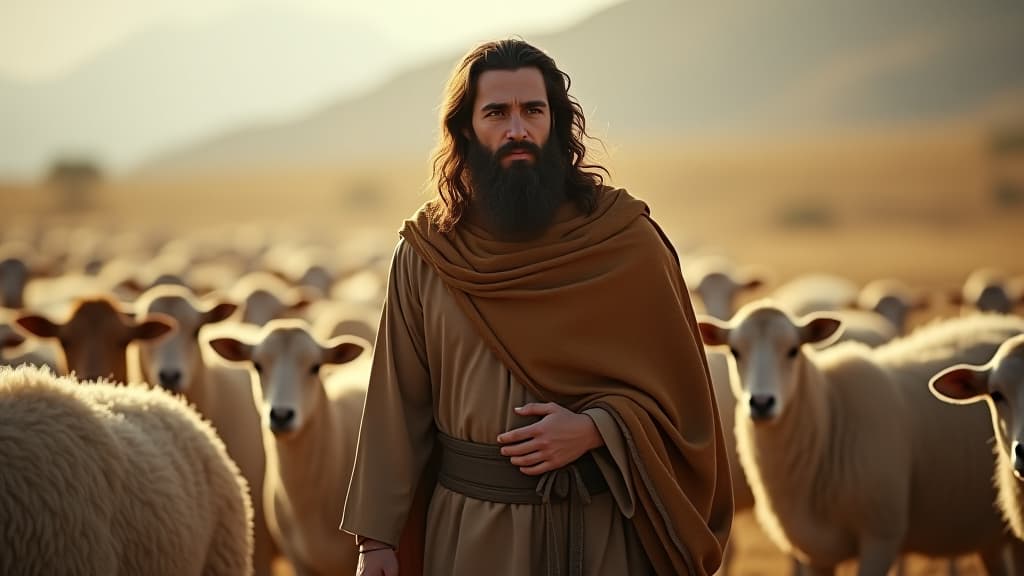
<point x="613" y="460"/>
<point x="396" y="433"/>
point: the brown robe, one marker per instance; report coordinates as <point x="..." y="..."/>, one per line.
<point x="435" y="368"/>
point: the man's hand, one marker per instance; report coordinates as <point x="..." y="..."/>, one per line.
<point x="379" y="559"/>
<point x="560" y="437"/>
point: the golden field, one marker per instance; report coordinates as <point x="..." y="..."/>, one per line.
<point x="923" y="205"/>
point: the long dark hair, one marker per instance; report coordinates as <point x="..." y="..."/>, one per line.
<point x="450" y="176"/>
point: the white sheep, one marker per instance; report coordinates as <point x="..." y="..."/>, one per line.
<point x="14" y="276"/>
<point x="1000" y="383"/>
<point x="264" y="296"/>
<point x="817" y="292"/>
<point x="858" y="326"/>
<point x="718" y="283"/>
<point x="311" y="425"/>
<point x="221" y="394"/>
<point x="891" y="299"/>
<point x="986" y="290"/>
<point x="105" y="479"/>
<point x="839" y="445"/>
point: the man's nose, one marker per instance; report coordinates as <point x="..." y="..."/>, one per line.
<point x="516" y="128"/>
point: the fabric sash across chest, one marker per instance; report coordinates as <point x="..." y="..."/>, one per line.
<point x="480" y="471"/>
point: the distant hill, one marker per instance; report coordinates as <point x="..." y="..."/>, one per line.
<point x="671" y="69"/>
<point x="165" y="87"/>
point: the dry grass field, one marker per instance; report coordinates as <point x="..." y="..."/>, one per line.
<point x="926" y="206"/>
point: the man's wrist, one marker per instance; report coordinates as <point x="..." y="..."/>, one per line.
<point x="366" y="544"/>
<point x="596" y="440"/>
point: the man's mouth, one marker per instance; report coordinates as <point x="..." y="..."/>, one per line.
<point x="519" y="154"/>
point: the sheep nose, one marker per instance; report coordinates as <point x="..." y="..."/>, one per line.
<point x="761" y="405"/>
<point x="281" y="419"/>
<point x="170" y="379"/>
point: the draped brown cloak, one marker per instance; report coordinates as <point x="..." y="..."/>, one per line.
<point x="595" y="314"/>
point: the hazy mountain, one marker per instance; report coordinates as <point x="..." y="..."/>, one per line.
<point x="671" y="68"/>
<point x="169" y="86"/>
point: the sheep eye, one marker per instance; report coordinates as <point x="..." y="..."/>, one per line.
<point x="258" y="367"/>
<point x="735" y="353"/>
<point x="315" y="369"/>
<point x="997" y="396"/>
<point x="793" y="352"/>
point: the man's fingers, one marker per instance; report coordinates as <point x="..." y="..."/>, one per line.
<point x="531" y="459"/>
<point x="537" y="469"/>
<point x="518" y="434"/>
<point x="520" y="449"/>
<point x="535" y="409"/>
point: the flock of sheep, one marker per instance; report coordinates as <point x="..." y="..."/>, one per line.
<point x="845" y="431"/>
<point x="247" y="353"/>
<point x="234" y="442"/>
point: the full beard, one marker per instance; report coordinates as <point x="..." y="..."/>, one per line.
<point x="518" y="202"/>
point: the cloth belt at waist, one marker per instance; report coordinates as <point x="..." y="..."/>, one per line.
<point x="480" y="471"/>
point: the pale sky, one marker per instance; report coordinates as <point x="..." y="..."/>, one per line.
<point x="43" y="39"/>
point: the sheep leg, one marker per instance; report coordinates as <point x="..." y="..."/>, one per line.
<point x="877" y="556"/>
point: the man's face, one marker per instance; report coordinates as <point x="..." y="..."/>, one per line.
<point x="511" y="106"/>
<point x="517" y="168"/>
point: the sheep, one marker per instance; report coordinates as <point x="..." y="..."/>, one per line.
<point x="810" y="425"/>
<point x="1000" y="383"/>
<point x="985" y="290"/>
<point x="95" y="337"/>
<point x="105" y="479"/>
<point x="310" y="427"/>
<point x="14" y="276"/>
<point x="866" y="327"/>
<point x="718" y="284"/>
<point x="266" y="296"/>
<point x="330" y="318"/>
<point x="891" y="299"/>
<point x="816" y="293"/>
<point x="221" y="394"/>
<point x="858" y="326"/>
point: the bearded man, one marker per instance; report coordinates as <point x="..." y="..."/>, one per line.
<point x="539" y="401"/>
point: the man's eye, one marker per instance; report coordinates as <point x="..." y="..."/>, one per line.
<point x="492" y="113"/>
<point x="535" y="111"/>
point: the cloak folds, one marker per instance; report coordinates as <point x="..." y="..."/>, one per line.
<point x="595" y="314"/>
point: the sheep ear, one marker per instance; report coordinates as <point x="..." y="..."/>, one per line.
<point x="231" y="349"/>
<point x="153" y="327"/>
<point x="820" y="329"/>
<point x="713" y="332"/>
<point x="961" y="384"/>
<point x="219" y="312"/>
<point x="40" y="326"/>
<point x="342" y="350"/>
